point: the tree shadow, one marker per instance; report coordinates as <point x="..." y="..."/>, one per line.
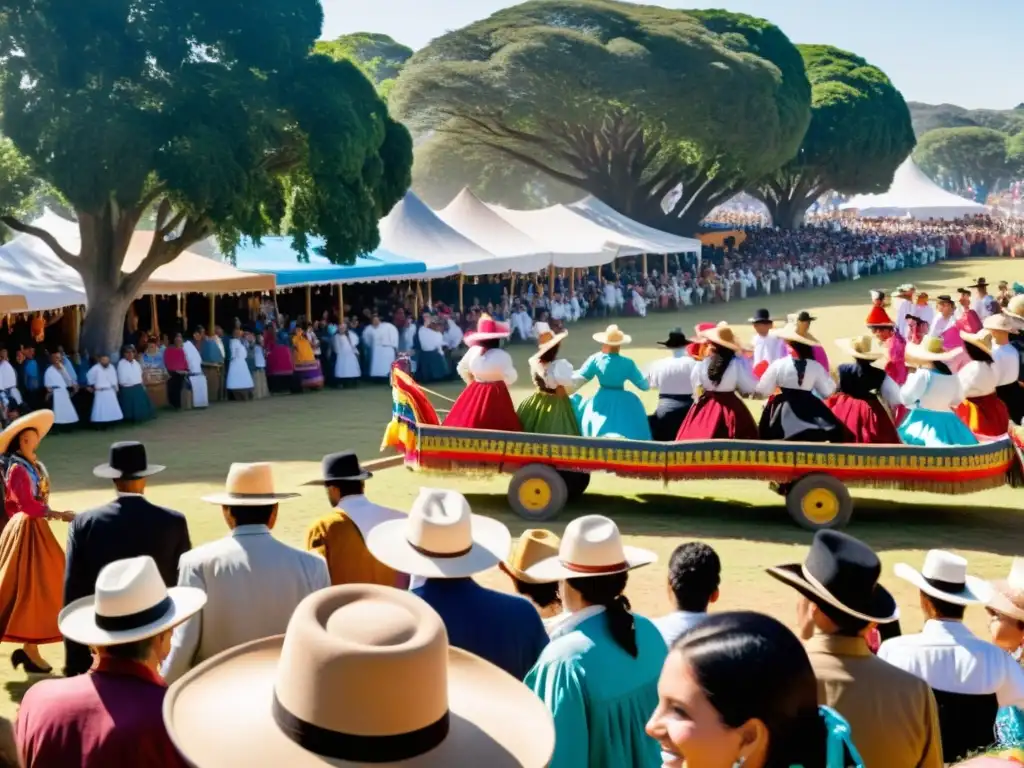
<point x="16" y="689"/>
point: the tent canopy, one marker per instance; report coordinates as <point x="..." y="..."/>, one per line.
<point x="657" y="241"/>
<point x="913" y="194"/>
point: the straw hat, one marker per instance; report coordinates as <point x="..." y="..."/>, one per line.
<point x="131" y="603"/>
<point x="930" y="350"/>
<point x="546" y="338"/>
<point x="364" y="674"/>
<point x="944" y="577"/>
<point x="534" y="545"/>
<point x="861" y="348"/>
<point x="982" y="340"/>
<point x="613" y="337"/>
<point x="791" y="334"/>
<point x="249" y="485"/>
<point x="40" y="421"/>
<point x="591" y="546"/>
<point x="1008" y="594"/>
<point x="440" y="539"/>
<point x="487" y="328"/>
<point x="1000" y="322"/>
<point x="723" y="336"/>
<point x="1015" y="308"/>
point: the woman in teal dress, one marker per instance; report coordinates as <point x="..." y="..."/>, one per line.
<point x="1006" y="623"/>
<point x="612" y="411"/>
<point x="549" y="410"/>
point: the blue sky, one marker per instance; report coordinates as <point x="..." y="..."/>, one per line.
<point x="966" y="52"/>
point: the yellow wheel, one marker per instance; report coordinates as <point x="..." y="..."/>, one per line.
<point x="820" y="506"/>
<point x="537" y="492"/>
<point x="819" y="501"/>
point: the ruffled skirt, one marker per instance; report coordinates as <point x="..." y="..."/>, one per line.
<point x="934" y="429"/>
<point x="986" y="415"/>
<point x="800" y="416"/>
<point x="718" y="416"/>
<point x="484" y="405"/>
<point x="31" y="581"/>
<point x="863" y="420"/>
<point x="135" y="404"/>
<point x="612" y="413"/>
<point x="548" y="413"/>
<point x="311" y="375"/>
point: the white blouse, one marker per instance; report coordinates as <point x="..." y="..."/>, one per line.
<point x="978" y="379"/>
<point x="557" y="373"/>
<point x="492" y="365"/>
<point x="1006" y="363"/>
<point x="932" y="391"/>
<point x="782" y="373"/>
<point x="738" y="376"/>
<point x="129" y="374"/>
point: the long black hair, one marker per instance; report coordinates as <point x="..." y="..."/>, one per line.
<point x="607" y="591"/>
<point x="488" y="344"/>
<point x="977" y="353"/>
<point x="941" y="367"/>
<point x="14" y="447"/>
<point x="804" y="352"/>
<point x="751" y="666"/>
<point x="718" y="362"/>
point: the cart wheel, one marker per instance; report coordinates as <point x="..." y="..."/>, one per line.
<point x="576" y="482"/>
<point x="819" y="501"/>
<point x="537" y="493"/>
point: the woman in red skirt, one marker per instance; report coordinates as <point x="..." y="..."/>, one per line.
<point x="719" y="414"/>
<point x="857" y="403"/>
<point x="982" y="409"/>
<point x="488" y="372"/>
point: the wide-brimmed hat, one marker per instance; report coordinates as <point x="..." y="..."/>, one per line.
<point x="591" y="546"/>
<point x="40" y="421"/>
<point x="930" y="350"/>
<point x="981" y="282"/>
<point x="944" y="298"/>
<point x="546" y="338"/>
<point x="803" y="316"/>
<point x="700" y="328"/>
<point x="861" y="348"/>
<point x="999" y="322"/>
<point x="842" y="572"/>
<point x="341" y="467"/>
<point x="131" y="603"/>
<point x="906" y="288"/>
<point x="724" y="336"/>
<point x="963" y="291"/>
<point x="945" y="577"/>
<point x="789" y="333"/>
<point x="982" y="340"/>
<point x="534" y="545"/>
<point x="676" y="339"/>
<point x="249" y="485"/>
<point x="1007" y="595"/>
<point x="613" y="337"/>
<point x="440" y="539"/>
<point x="1015" y="308"/>
<point x="487" y="329"/>
<point x="364" y="674"/>
<point x="878" y="318"/>
<point x="127" y="461"/>
<point x="761" y="316"/>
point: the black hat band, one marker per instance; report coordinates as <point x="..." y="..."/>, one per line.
<point x="135" y="620"/>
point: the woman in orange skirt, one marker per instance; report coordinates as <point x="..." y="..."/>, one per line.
<point x="31" y="560"/>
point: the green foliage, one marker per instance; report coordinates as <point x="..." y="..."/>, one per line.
<point x="965" y="156"/>
<point x="622" y="101"/>
<point x="18" y="185"/>
<point x="928" y="117"/>
<point x="1015" y="154"/>
<point x="379" y="57"/>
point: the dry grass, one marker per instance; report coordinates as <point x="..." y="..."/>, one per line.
<point x="744" y="521"/>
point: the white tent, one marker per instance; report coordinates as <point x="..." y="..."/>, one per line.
<point x="659" y="242"/>
<point x="913" y="194"/>
<point x="28" y="267"/>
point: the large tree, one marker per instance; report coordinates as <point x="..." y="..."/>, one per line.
<point x="1015" y="155"/>
<point x="965" y="157"/>
<point x="859" y="134"/>
<point x="212" y="115"/>
<point x="626" y="102"/>
<point x="380" y="57"/>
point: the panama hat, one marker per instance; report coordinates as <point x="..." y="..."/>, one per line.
<point x="364" y="674"/>
<point x="534" y="545"/>
<point x="591" y="546"/>
<point x="860" y="347"/>
<point x="999" y="322"/>
<point x="341" y="467"/>
<point x="131" y="603"/>
<point x="613" y="337"/>
<point x="127" y="461"/>
<point x="790" y="334"/>
<point x="843" y="572"/>
<point x="546" y="338"/>
<point x="945" y="577"/>
<point x="930" y="350"/>
<point x="723" y="336"/>
<point x="964" y="291"/>
<point x="982" y="340"/>
<point x="487" y="329"/>
<point x="1007" y="595"/>
<point x="40" y="421"/>
<point x="440" y="538"/>
<point x="249" y="485"/>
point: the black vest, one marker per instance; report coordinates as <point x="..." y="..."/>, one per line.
<point x="967" y="723"/>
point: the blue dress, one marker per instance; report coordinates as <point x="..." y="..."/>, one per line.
<point x="612" y="411"/>
<point x="931" y="422"/>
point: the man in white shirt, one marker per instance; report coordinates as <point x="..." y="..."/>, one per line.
<point x="694" y="576"/>
<point x="945" y="316"/>
<point x="984" y="304"/>
<point x="431" y="364"/>
<point x="383" y="343"/>
<point x="196" y="377"/>
<point x="903" y="305"/>
<point x="1006" y="362"/>
<point x="673" y="378"/>
<point x="767" y="348"/>
<point x="970" y="677"/>
<point x="9" y="383"/>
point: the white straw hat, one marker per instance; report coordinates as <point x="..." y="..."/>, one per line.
<point x="1007" y="595"/>
<point x="930" y="350"/>
<point x="590" y="546"/>
<point x="790" y="333"/>
<point x="860" y="347"/>
<point x="613" y="337"/>
<point x="249" y="485"/>
<point x="945" y="577"/>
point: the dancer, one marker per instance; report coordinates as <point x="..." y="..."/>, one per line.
<point x="863" y="392"/>
<point x="719" y="414"/>
<point x="1006" y="361"/>
<point x="280" y="368"/>
<point x="488" y="372"/>
<point x="307" y="366"/>
<point x="931" y="393"/>
<point x="345" y="344"/>
<point x="103" y="383"/>
<point x="549" y="410"/>
<point x="767" y="348"/>
<point x="965" y="313"/>
<point x="982" y="410"/>
<point x="903" y="304"/>
<point x="240" y="384"/>
<point x="673" y="378"/>
<point x="883" y="329"/>
<point x="31" y="560"/>
<point x="58" y="382"/>
<point x="796" y="412"/>
<point x="131" y="394"/>
<point x="802" y="323"/>
<point x="612" y="411"/>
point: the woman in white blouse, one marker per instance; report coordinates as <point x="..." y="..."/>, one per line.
<point x="719" y="414"/>
<point x="982" y="409"/>
<point x="488" y="371"/>
<point x="797" y="412"/>
<point x="549" y="410"/>
<point x="931" y="393"/>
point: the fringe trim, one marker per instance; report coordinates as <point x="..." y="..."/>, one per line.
<point x="947" y="487"/>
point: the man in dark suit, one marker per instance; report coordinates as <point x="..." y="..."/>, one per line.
<point x="127" y="527"/>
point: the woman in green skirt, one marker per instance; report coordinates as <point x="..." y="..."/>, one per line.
<point x="549" y="410"/>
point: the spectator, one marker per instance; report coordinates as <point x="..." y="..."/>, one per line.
<point x="694" y="576"/>
<point x="534" y="545"/>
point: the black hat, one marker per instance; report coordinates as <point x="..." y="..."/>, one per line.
<point x="341" y="467"/>
<point x="842" y="572"/>
<point x="981" y="283"/>
<point x="761" y="316"/>
<point x="127" y="462"/>
<point x="963" y="291"/>
<point x="805" y="317"/>
<point x="676" y="339"/>
<point x="944" y="298"/>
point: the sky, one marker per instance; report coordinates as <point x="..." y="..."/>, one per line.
<point x="965" y="52"/>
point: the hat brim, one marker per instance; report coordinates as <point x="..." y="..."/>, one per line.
<point x="232" y="500"/>
<point x="669" y="344"/>
<point x="364" y="475"/>
<point x="492" y="543"/>
<point x="551" y="343"/>
<point x="847" y="346"/>
<point x="795" y="338"/>
<point x="551" y="569"/>
<point x="40" y="421"/>
<point x="714" y="337"/>
<point x="975" y="590"/>
<point x="602" y="338"/>
<point x="77" y="621"/>
<point x="110" y="473"/>
<point x="883" y="608"/>
<point x="472" y="338"/>
<point x="974" y="339"/>
<point x="220" y="714"/>
<point x="1006" y="600"/>
<point x="760" y="320"/>
<point x="919" y="353"/>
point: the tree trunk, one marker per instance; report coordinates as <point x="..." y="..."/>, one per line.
<point x="787" y="214"/>
<point x="103" y="328"/>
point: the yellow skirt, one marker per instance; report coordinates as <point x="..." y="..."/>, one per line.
<point x="31" y="581"/>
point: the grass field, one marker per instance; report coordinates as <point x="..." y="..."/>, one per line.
<point x="744" y="521"/>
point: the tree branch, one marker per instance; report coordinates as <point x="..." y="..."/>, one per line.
<point x="539" y="165"/>
<point x="63" y="254"/>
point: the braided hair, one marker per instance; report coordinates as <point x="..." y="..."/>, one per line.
<point x="607" y="591"/>
<point x="718" y="362"/>
<point x="804" y="352"/>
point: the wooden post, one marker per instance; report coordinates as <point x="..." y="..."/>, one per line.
<point x="341" y="303"/>
<point x="512" y="287"/>
<point x="551" y="279"/>
<point x="572" y="279"/>
<point x="430" y="294"/>
<point x="213" y="313"/>
<point x="155" y="324"/>
<point x="76" y="327"/>
<point x="309" y="304"/>
<point x="664" y="269"/>
<point x="462" y="307"/>
<point x="643" y="261"/>
<point x="184" y="314"/>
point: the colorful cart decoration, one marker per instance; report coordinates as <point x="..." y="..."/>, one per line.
<point x="549" y="471"/>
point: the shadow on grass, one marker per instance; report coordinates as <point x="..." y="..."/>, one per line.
<point x="16" y="689"/>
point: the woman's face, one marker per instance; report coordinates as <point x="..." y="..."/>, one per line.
<point x="1006" y="631"/>
<point x="28" y="441"/>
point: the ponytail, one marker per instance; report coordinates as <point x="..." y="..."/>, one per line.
<point x="802" y="741"/>
<point x="804" y="352"/>
<point x="607" y="591"/>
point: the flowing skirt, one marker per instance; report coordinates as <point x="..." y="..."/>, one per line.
<point x="135" y="404"/>
<point x="669" y="416"/>
<point x="934" y="429"/>
<point x="200" y="390"/>
<point x="718" y="416"/>
<point x="31" y="581"/>
<point x="311" y="376"/>
<point x="239" y="376"/>
<point x="986" y="415"/>
<point x="548" y="413"/>
<point x="259" y="384"/>
<point x="798" y="415"/>
<point x="63" y="410"/>
<point x="105" y="408"/>
<point x="484" y="405"/>
<point x="863" y="420"/>
<point x="612" y="413"/>
<point x="346" y="365"/>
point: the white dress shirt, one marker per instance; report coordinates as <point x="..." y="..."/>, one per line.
<point x="738" y="376"/>
<point x="932" y="391"/>
<point x="129" y="373"/>
<point x="783" y="374"/>
<point x="672" y="375"/>
<point x="941" y="325"/>
<point x="978" y="379"/>
<point x="490" y="365"/>
<point x="985" y="306"/>
<point x="768" y="348"/>
<point x="1006" y="361"/>
<point x="430" y="340"/>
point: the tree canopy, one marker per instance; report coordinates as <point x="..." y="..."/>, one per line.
<point x="380" y="57"/>
<point x="1015" y="154"/>
<point x="965" y="157"/>
<point x="622" y="101"/>
<point x="859" y="134"/>
<point x="213" y="115"/>
<point x="18" y="184"/>
<point x="928" y="117"/>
